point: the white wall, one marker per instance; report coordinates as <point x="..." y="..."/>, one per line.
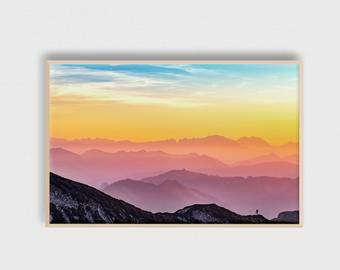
<point x="262" y="29"/>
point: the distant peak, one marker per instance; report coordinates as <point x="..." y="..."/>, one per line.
<point x="178" y="171"/>
<point x="170" y="184"/>
<point x="126" y="180"/>
<point x="255" y="141"/>
<point x="218" y="138"/>
<point x="215" y="137"/>
<point x="61" y="150"/>
<point x="93" y="151"/>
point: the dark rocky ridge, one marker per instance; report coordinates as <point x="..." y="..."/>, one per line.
<point x="288" y="217"/>
<point x="76" y="203"/>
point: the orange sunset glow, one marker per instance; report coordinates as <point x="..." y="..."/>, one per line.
<point x="140" y="103"/>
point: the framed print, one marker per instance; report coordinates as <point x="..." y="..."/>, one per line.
<point x="174" y="143"/>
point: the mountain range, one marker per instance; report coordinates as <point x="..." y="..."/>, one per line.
<point x="76" y="203"/>
<point x="268" y="158"/>
<point x="95" y="167"/>
<point x="218" y="147"/>
<point x="178" y="188"/>
<point x="167" y="196"/>
<point x="163" y="176"/>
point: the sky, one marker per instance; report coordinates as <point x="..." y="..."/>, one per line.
<point x="141" y="102"/>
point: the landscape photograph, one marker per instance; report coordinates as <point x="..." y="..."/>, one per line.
<point x="174" y="143"/>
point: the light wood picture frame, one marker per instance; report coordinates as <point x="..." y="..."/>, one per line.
<point x="174" y="143"/>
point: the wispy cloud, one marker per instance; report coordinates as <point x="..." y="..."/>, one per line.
<point x="173" y="85"/>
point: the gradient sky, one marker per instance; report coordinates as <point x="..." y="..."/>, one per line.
<point x="158" y="101"/>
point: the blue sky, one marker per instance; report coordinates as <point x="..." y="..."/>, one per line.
<point x="159" y="82"/>
<point x="201" y="72"/>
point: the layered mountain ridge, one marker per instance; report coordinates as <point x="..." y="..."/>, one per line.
<point x="244" y="175"/>
<point x="218" y="147"/>
<point x="241" y="194"/>
<point x="76" y="203"/>
<point x="167" y="196"/>
<point x="94" y="167"/>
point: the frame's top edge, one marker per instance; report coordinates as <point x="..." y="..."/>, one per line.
<point x="299" y="62"/>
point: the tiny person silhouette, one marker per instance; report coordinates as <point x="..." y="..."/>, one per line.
<point x="257" y="211"/>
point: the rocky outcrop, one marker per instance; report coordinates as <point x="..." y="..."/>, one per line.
<point x="288" y="217"/>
